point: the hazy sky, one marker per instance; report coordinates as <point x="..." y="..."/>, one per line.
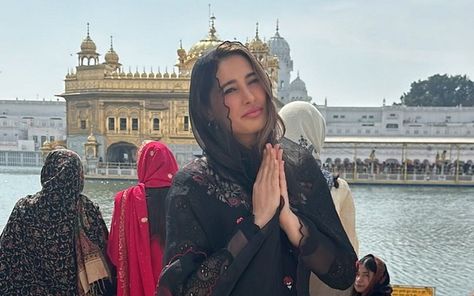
<point x="352" y="52"/>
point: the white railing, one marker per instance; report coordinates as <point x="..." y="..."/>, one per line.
<point x="20" y="159"/>
<point x="111" y="169"/>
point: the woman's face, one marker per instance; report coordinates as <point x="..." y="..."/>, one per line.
<point x="244" y="97"/>
<point x="363" y="278"/>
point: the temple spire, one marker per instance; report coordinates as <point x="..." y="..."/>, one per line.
<point x="256" y="32"/>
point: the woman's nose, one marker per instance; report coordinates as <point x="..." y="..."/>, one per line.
<point x="249" y="97"/>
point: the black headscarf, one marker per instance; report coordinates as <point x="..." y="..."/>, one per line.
<point x="233" y="160"/>
<point x="54" y="238"/>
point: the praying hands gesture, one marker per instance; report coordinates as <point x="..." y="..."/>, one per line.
<point x="268" y="190"/>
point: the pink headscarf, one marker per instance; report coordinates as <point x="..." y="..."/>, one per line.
<point x="130" y="248"/>
<point x="156" y="165"/>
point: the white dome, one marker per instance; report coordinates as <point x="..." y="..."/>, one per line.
<point x="298" y="84"/>
<point x="279" y="46"/>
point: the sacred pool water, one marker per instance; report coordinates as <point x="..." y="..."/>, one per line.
<point x="424" y="234"/>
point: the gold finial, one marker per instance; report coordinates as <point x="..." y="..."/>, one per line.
<point x="88" y="29"/>
<point x="212" y="29"/>
<point x="256" y="33"/>
<point x="181" y="43"/>
<point x="111" y="43"/>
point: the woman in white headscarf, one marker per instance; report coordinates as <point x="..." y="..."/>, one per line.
<point x="306" y="126"/>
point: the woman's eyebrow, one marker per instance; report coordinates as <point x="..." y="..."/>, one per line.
<point x="251" y="74"/>
<point x="227" y="83"/>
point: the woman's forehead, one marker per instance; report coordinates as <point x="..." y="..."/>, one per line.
<point x="362" y="268"/>
<point x="233" y="67"/>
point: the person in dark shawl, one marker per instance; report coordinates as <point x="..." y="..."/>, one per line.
<point x="372" y="277"/>
<point x="254" y="215"/>
<point x="55" y="240"/>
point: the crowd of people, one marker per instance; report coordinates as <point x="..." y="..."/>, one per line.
<point x="393" y="166"/>
<point x="255" y="215"/>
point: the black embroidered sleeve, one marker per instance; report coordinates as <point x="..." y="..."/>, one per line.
<point x="192" y="265"/>
<point x="325" y="248"/>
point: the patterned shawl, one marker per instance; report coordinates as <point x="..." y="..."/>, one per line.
<point x="54" y="240"/>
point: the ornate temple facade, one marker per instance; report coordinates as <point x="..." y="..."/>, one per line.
<point x="111" y="112"/>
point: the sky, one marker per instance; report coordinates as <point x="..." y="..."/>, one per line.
<point x="352" y="52"/>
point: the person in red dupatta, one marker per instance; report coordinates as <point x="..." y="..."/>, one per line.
<point x="137" y="232"/>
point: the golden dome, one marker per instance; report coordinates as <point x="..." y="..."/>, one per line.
<point x="91" y="138"/>
<point x="111" y="57"/>
<point x="257" y="45"/>
<point x="87" y="45"/>
<point x="46" y="144"/>
<point x="204" y="45"/>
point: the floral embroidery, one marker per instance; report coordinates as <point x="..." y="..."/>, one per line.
<point x="288" y="281"/>
<point x="230" y="193"/>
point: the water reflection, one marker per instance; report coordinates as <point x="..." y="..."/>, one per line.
<point x="425" y="234"/>
<point x="103" y="192"/>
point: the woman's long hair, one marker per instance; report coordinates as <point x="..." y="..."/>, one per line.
<point x="155" y="168"/>
<point x="156" y="206"/>
<point x="215" y="138"/>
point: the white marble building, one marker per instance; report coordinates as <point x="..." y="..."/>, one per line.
<point x="399" y="121"/>
<point x="25" y="125"/>
<point x="399" y="132"/>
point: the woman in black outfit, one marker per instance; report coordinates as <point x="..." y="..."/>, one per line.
<point x="251" y="217"/>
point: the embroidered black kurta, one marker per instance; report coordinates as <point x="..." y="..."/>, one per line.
<point x="214" y="248"/>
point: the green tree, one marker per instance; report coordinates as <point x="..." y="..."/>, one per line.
<point x="440" y="90"/>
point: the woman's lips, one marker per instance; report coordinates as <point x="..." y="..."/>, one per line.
<point x="252" y="113"/>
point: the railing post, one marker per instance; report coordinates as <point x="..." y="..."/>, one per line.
<point x="457" y="165"/>
<point x="354" y="176"/>
<point x="404" y="161"/>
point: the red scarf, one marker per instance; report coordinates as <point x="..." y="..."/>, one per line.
<point x="136" y="256"/>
